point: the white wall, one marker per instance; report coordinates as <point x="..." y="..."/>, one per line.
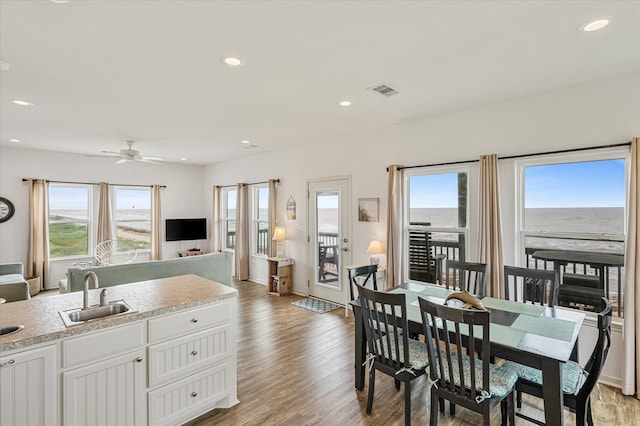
<point x="181" y="198"/>
<point x="593" y="114"/>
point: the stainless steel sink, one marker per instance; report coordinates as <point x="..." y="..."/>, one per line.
<point x="11" y="329"/>
<point x="82" y="316"/>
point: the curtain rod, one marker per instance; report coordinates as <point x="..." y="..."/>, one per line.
<point x="252" y="183"/>
<point x="92" y="183"/>
<point x="510" y="157"/>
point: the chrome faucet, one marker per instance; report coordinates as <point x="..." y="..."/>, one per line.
<point x="93" y="276"/>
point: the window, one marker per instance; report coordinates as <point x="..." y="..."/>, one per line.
<point x="575" y="204"/>
<point x="260" y="213"/>
<point x="229" y="217"/>
<point x="69" y="220"/>
<point x="132" y="218"/>
<point x="437" y="219"/>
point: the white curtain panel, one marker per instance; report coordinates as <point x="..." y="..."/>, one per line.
<point x="38" y="251"/>
<point x="105" y="228"/>
<point x="242" y="233"/>
<point x="395" y="273"/>
<point x="490" y="227"/>
<point x="156" y="219"/>
<point x="273" y="185"/>
<point x="631" y="342"/>
<point x="216" y="242"/>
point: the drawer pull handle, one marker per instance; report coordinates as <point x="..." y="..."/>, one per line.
<point x="11" y="361"/>
<point x="194" y="353"/>
<point x="194" y="320"/>
<point x="194" y="394"/>
<point x="139" y="359"/>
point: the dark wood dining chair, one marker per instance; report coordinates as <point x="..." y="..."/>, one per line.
<point x="468" y="276"/>
<point x="362" y="275"/>
<point x="459" y="364"/>
<point x="577" y="383"/>
<point x="391" y="351"/>
<point x="528" y="285"/>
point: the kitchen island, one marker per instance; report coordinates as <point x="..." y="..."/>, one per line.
<point x="169" y="360"/>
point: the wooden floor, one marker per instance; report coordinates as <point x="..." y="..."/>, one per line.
<point x="295" y="367"/>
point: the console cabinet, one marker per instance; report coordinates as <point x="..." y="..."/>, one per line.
<point x="280" y="275"/>
<point x="28" y="387"/>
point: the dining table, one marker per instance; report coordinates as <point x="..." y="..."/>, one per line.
<point x="534" y="335"/>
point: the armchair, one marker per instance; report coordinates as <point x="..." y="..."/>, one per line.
<point x="13" y="286"/>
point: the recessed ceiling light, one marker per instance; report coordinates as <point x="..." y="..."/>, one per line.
<point x="183" y="159"/>
<point x="14" y="140"/>
<point x="4" y="65"/>
<point x="245" y="142"/>
<point x="22" y="103"/>
<point x="232" y="61"/>
<point x="595" y="25"/>
<point x="344" y="103"/>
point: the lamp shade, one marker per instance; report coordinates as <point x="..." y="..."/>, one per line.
<point x="375" y="247"/>
<point x="279" y="233"/>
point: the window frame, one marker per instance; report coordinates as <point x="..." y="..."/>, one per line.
<point x="91" y="220"/>
<point x="224" y="219"/>
<point x="406" y="227"/>
<point x="114" y="201"/>
<point x="256" y="221"/>
<point x="564" y="158"/>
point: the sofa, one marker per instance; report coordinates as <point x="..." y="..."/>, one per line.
<point x="13" y="285"/>
<point x="213" y="266"/>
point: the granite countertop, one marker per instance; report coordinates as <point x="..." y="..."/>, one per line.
<point x="42" y="322"/>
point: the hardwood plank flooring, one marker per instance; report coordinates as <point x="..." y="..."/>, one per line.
<point x="295" y="367"/>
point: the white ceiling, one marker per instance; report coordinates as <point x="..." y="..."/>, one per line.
<point x="101" y="72"/>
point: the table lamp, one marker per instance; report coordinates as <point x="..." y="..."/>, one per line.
<point x="375" y="248"/>
<point x="279" y="235"/>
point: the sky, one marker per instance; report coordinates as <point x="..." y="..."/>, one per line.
<point x="584" y="184"/>
<point x="77" y="198"/>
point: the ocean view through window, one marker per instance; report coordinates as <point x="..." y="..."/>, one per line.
<point x="132" y="218"/>
<point x="573" y="207"/>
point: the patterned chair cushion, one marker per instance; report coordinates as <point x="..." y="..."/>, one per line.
<point x="418" y="355"/>
<point x="501" y="380"/>
<point x="571" y="373"/>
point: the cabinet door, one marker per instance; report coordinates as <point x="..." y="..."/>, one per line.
<point x="28" y="387"/>
<point x="107" y="392"/>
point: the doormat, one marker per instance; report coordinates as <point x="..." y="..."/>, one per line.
<point x="315" y="305"/>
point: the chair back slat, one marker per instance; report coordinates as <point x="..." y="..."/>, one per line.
<point x="361" y="276"/>
<point x="535" y="286"/>
<point x="463" y="339"/>
<point x="468" y="276"/>
<point x="386" y="326"/>
<point x="600" y="351"/>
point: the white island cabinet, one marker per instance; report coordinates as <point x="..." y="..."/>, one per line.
<point x="170" y="361"/>
<point x="28" y="384"/>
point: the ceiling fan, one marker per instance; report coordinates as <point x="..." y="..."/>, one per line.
<point x="130" y="154"/>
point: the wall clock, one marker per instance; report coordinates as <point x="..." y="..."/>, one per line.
<point x="6" y="209"/>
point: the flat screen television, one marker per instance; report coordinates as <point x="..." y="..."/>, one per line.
<point x="186" y="229"/>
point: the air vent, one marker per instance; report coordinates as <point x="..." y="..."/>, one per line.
<point x="384" y="89"/>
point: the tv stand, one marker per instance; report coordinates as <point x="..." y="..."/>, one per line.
<point x="191" y="252"/>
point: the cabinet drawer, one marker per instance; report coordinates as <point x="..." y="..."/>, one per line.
<point x="187" y="398"/>
<point x="179" y="357"/>
<point x="181" y="323"/>
<point x="102" y="344"/>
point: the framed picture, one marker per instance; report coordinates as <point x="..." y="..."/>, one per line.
<point x="291" y="208"/>
<point x="368" y="209"/>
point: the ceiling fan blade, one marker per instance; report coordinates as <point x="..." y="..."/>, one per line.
<point x="122" y="161"/>
<point x="111" y="152"/>
<point x="153" y="158"/>
<point x="148" y="160"/>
